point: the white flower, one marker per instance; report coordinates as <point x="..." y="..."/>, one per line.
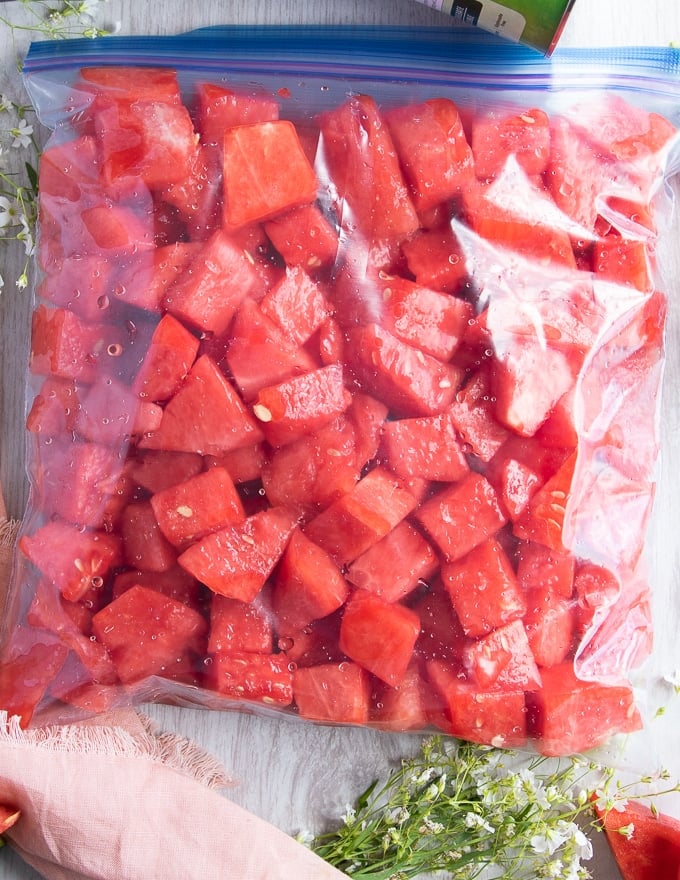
<point x="490" y="767"/>
<point x="474" y="820"/>
<point x="509" y="827"/>
<point x="584" y="847"/>
<point x="306" y="838"/>
<point x="553" y="794"/>
<point x="572" y="872"/>
<point x="430" y="825"/>
<point x="391" y="837"/>
<point x="2" y="282"/>
<point x="349" y="815"/>
<point x="88" y="7"/>
<point x="491" y="793"/>
<point x="398" y="816"/>
<point x="8" y="212"/>
<point x="423" y="777"/>
<point x="3" y="160"/>
<point x="435" y="789"/>
<point x="527" y="777"/>
<point x="582" y="797"/>
<point x="567" y="835"/>
<point x="5" y="104"/>
<point x="553" y="869"/>
<point x="26" y="235"/>
<point x="527" y="789"/>
<point x="29" y="244"/>
<point x="673" y="679"/>
<point x="22" y="134"/>
<point x="606" y="802"/>
<point x="626" y="830"/>
<point x="547" y="842"/>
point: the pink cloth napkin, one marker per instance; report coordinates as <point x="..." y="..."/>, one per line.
<point x="113" y="800"/>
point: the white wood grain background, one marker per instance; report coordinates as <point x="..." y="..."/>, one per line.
<point x="296" y="775"/>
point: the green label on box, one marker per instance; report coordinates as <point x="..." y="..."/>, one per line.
<point x="535" y="22"/>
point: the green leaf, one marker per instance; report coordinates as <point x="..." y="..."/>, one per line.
<point x="365" y="797"/>
<point x="32" y="175"/>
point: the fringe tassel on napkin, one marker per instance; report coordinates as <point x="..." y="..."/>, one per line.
<point x="111" y="800"/>
<point x="119" y="734"/>
<point x="9" y="529"/>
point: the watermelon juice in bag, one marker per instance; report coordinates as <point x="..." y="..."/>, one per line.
<point x="345" y="381"/>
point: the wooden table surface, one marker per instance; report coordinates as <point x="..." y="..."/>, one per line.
<point x="300" y="776"/>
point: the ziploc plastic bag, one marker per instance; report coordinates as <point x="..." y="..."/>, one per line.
<point x="345" y="380"/>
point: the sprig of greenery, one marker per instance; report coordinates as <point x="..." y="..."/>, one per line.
<point x="18" y="185"/>
<point x="19" y="149"/>
<point x="466" y="809"/>
<point x="65" y="20"/>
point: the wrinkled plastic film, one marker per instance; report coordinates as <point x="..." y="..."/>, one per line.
<point x="345" y="396"/>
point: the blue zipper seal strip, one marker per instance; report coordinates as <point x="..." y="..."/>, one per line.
<point x="428" y="54"/>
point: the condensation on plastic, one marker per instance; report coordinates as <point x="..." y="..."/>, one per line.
<point x="541" y="319"/>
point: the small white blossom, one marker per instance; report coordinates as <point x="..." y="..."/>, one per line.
<point x="492" y="765"/>
<point x="423" y="777"/>
<point x="549" y="841"/>
<point x="490" y="793"/>
<point x="584" y="848"/>
<point x="8" y="212"/>
<point x="606" y="802"/>
<point x="88" y="7"/>
<point x="434" y="790"/>
<point x="306" y="838"/>
<point x="626" y="830"/>
<point x="509" y="828"/>
<point x="527" y="777"/>
<point x="565" y="835"/>
<point x="474" y="820"/>
<point x="2" y="282"/>
<point x="430" y="825"/>
<point x="349" y="815"/>
<point x="399" y="816"/>
<point x="529" y="790"/>
<point x="5" y="104"/>
<point x="673" y="679"/>
<point x="392" y="836"/>
<point x="583" y="797"/>
<point x="22" y="134"/>
<point x="573" y="872"/>
<point x="26" y="235"/>
<point x="553" y="794"/>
